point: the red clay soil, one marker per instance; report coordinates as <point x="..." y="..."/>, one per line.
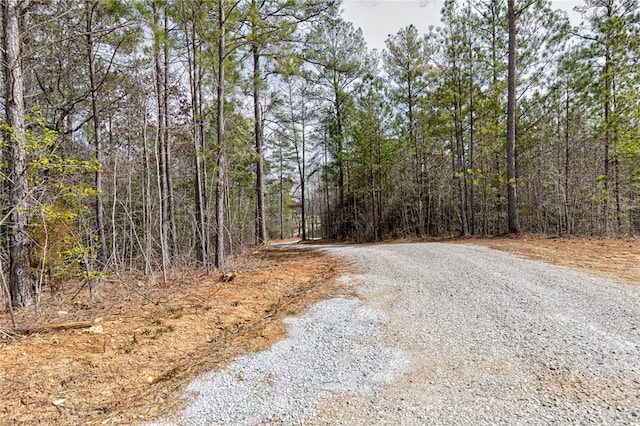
<point x="146" y="340"/>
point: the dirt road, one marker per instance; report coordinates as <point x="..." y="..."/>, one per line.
<point x="495" y="339"/>
<point x="441" y="334"/>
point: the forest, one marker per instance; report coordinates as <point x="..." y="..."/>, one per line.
<point x="146" y="135"/>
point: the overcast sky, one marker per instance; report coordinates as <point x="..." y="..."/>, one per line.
<point x="379" y="18"/>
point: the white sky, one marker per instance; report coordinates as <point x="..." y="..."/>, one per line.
<point x="380" y="18"/>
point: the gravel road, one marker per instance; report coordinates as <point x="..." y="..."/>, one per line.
<point x="444" y="334"/>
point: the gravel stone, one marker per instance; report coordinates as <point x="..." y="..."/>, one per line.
<point x="335" y="348"/>
<point x="443" y="334"/>
<point x="496" y="339"/>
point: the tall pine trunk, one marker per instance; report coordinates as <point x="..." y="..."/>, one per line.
<point x="459" y="162"/>
<point x="607" y="141"/>
<point x="170" y="216"/>
<point x="146" y="193"/>
<point x="20" y="285"/>
<point x="567" y="169"/>
<point x="221" y="163"/>
<point x="472" y="166"/>
<point x="200" y="181"/>
<point x="301" y="153"/>
<point x="342" y="227"/>
<point x="161" y="143"/>
<point x="95" y="111"/>
<point x="417" y="161"/>
<point x="512" y="184"/>
<point x="261" y="226"/>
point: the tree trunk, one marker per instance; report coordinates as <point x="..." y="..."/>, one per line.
<point x="616" y="194"/>
<point x="221" y="163"/>
<point x="607" y="140"/>
<point x="261" y="226"/>
<point x="95" y="111"/>
<point x="170" y="205"/>
<point x="341" y="207"/>
<point x="281" y="155"/>
<point x="300" y="154"/>
<point x="302" y="170"/>
<point x="567" y="169"/>
<point x="460" y="160"/>
<point x="200" y="191"/>
<point x="512" y="184"/>
<point x="20" y="285"/>
<point x="472" y="207"/>
<point x="418" y="174"/>
<point x="460" y="172"/>
<point x="114" y="234"/>
<point x="160" y="145"/>
<point x="147" y="197"/>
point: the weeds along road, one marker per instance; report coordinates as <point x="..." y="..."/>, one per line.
<point x="496" y="339"/>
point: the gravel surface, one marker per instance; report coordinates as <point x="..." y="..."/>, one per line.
<point x="444" y="334"/>
<point x="336" y="348"/>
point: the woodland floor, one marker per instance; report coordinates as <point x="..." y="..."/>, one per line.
<point x="149" y="339"/>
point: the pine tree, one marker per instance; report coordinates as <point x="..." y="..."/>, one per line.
<point x="21" y="286"/>
<point x="405" y="62"/>
<point x="339" y="56"/>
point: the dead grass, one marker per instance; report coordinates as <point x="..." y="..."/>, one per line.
<point x="615" y="258"/>
<point x="130" y="365"/>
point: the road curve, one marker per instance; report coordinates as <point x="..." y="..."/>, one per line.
<point x="495" y="339"/>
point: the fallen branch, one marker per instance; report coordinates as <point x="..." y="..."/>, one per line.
<point x="56" y="327"/>
<point x="6" y="334"/>
<point x="130" y="287"/>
